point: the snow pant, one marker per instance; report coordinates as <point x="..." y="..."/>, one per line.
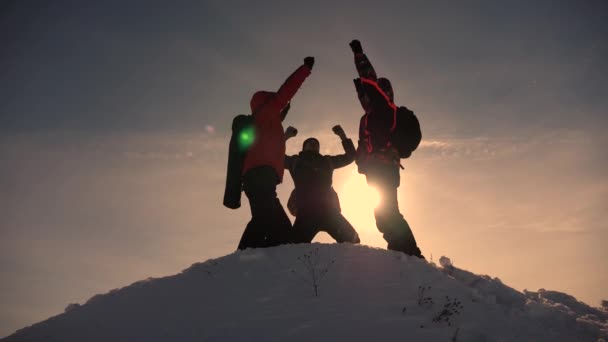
<point x="309" y="223"/>
<point x="269" y="225"/>
<point x="395" y="229"/>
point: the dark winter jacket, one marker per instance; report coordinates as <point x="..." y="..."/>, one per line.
<point x="268" y="148"/>
<point x="379" y="118"/>
<point x="381" y="113"/>
<point x="312" y="175"/>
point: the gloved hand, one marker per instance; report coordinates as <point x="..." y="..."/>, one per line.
<point x="290" y="132"/>
<point x="339" y="132"/>
<point x="309" y="62"/>
<point x="355" y="45"/>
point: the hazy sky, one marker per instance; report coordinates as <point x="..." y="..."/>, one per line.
<point x="114" y="119"/>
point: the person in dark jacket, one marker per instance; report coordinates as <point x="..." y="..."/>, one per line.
<point x="263" y="164"/>
<point x="376" y="158"/>
<point x="317" y="207"/>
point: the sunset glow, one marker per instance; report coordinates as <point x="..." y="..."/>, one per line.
<point x="358" y="201"/>
<point x="116" y="121"/>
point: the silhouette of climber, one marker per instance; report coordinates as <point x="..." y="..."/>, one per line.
<point x="317" y="207"/>
<point x="263" y="164"/>
<point x="376" y="158"/>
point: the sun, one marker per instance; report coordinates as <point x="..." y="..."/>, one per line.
<point x="358" y="194"/>
<point x="358" y="201"/>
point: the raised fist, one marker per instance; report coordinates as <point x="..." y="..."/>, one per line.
<point x="290" y="132"/>
<point x="355" y="45"/>
<point x="339" y="131"/>
<point x="309" y="62"/>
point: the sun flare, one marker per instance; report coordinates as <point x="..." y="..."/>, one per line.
<point x="357" y="198"/>
<point x="359" y="195"/>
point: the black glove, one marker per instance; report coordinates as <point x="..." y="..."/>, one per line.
<point x="337" y="129"/>
<point x="355" y="45"/>
<point x="290" y="132"/>
<point x="309" y="62"/>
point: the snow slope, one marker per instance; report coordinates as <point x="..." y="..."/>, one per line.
<point x="362" y="294"/>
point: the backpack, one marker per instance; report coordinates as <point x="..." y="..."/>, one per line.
<point x="407" y="135"/>
<point x="243" y="135"/>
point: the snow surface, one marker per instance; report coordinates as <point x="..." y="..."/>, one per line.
<point x="363" y="294"/>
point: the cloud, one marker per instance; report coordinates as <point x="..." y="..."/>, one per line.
<point x="162" y="193"/>
<point x="518" y="144"/>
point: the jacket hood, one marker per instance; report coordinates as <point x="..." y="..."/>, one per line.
<point x="258" y="99"/>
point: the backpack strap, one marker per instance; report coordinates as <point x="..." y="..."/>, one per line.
<point x="388" y="100"/>
<point x="366" y="132"/>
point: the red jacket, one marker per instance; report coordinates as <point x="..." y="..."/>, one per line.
<point x="268" y="148"/>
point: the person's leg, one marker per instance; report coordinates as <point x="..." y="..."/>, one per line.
<point x="279" y="226"/>
<point x="338" y="227"/>
<point x="391" y="223"/>
<point x="269" y="225"/>
<point x="305" y="228"/>
<point x="254" y="235"/>
<point x="395" y="229"/>
<point x="276" y="222"/>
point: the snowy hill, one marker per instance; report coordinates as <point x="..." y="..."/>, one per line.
<point x="361" y="294"/>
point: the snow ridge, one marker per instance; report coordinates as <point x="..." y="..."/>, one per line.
<point x="323" y="292"/>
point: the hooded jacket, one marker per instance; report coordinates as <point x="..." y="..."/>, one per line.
<point x="380" y="118"/>
<point x="268" y="148"/>
<point x="380" y="112"/>
<point x="312" y="175"/>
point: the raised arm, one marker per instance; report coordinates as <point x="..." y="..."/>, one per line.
<point x="293" y="83"/>
<point x="348" y="157"/>
<point x="362" y="63"/>
<point x="290" y="132"/>
<point x="367" y="84"/>
<point x="289" y="162"/>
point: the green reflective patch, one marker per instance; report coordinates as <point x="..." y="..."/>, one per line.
<point x="246" y="138"/>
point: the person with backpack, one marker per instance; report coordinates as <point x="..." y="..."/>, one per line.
<point x="314" y="202"/>
<point x="386" y="134"/>
<point x="256" y="160"/>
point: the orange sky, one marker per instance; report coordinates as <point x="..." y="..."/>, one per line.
<point x="115" y="117"/>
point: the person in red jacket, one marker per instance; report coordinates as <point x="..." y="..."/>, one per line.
<point x="376" y="157"/>
<point x="263" y="164"/>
